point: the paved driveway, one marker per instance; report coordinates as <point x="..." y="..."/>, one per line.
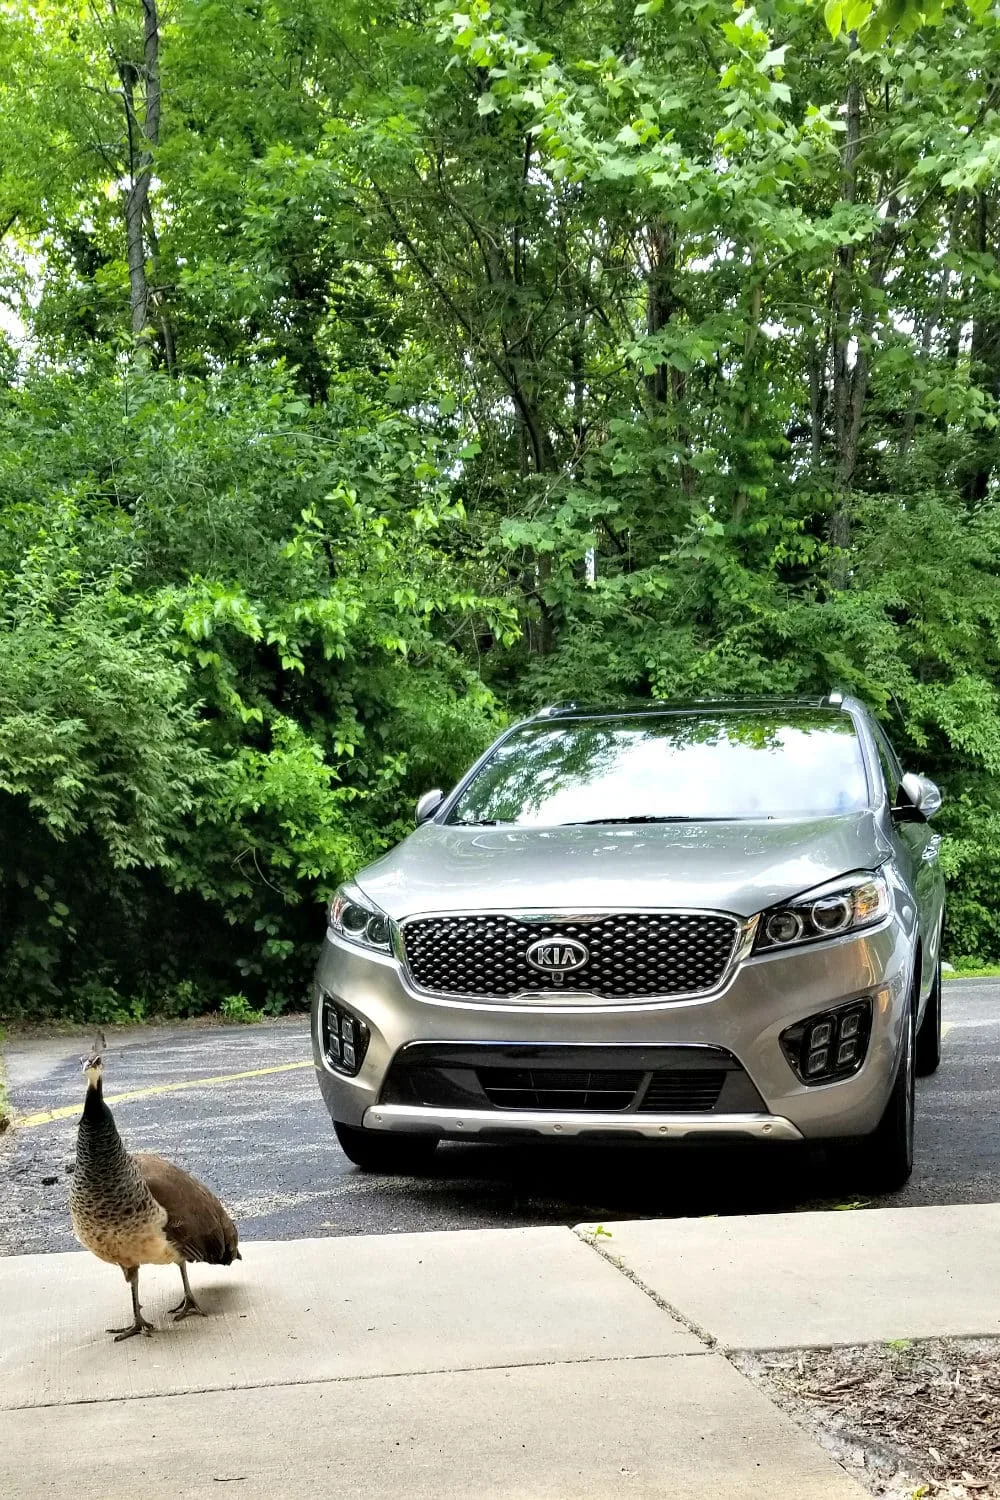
<point x="248" y="1119"/>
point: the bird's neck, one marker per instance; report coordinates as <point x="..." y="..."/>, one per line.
<point x="94" y="1101"/>
<point x="97" y="1117"/>
<point x="98" y="1144"/>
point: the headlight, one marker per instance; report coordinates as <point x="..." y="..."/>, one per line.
<point x="847" y="905"/>
<point x="354" y="917"/>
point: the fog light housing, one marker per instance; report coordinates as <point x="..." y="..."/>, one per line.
<point x="829" y="1046"/>
<point x="345" y="1037"/>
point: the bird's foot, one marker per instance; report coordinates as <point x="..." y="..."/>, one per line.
<point x="187" y="1309"/>
<point x="139" y="1326"/>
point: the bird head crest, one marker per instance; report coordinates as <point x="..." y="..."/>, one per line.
<point x="93" y="1063"/>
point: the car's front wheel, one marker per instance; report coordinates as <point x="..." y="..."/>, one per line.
<point x="375" y="1152"/>
<point x="887" y="1155"/>
<point x="928" y="1054"/>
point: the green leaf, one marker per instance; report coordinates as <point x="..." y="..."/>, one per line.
<point x="888" y="15"/>
<point x="856" y="13"/>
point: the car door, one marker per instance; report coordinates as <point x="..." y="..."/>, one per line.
<point x="918" y="847"/>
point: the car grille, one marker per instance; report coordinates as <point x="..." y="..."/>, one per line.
<point x="573" y="1077"/>
<point x="688" y="1092"/>
<point x="631" y="954"/>
<point x="683" y="1092"/>
<point x="552" y="1088"/>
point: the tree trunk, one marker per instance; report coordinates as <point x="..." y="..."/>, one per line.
<point x="846" y="407"/>
<point x="984" y="358"/>
<point x="659" y="300"/>
<point x="142" y="138"/>
<point x="817" y="392"/>
<point x="754" y="312"/>
<point x="157" y="298"/>
<point x="666" y="386"/>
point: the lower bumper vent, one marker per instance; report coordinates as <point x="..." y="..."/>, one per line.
<point x="557" y="1078"/>
<point x="551" y="1088"/>
<point x="688" y="1092"/>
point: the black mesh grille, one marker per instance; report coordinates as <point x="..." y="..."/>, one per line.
<point x="554" y="1088"/>
<point x="689" y="1090"/>
<point x="658" y="953"/>
<point x="573" y="1077"/>
<point x="692" y="1090"/>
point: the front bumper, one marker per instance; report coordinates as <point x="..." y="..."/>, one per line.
<point x="762" y="998"/>
<point x="497" y="1125"/>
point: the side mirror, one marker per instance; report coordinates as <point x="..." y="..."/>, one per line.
<point x="428" y="805"/>
<point x="923" y="799"/>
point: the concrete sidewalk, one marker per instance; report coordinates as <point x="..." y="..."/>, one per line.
<point x="779" y="1281"/>
<point x="514" y="1363"/>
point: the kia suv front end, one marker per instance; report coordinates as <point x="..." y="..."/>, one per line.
<point x="694" y="920"/>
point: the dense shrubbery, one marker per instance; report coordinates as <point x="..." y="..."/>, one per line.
<point x="393" y="373"/>
<point x="222" y="682"/>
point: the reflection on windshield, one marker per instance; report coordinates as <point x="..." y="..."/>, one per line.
<point x="744" y="764"/>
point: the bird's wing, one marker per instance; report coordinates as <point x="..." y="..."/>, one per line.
<point x="197" y="1224"/>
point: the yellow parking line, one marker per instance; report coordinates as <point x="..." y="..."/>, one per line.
<point x="46" y="1116"/>
<point x="948" y="1026"/>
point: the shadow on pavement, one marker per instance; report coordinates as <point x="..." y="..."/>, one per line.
<point x="577" y="1184"/>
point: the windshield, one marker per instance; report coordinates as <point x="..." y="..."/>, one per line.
<point x="671" y="767"/>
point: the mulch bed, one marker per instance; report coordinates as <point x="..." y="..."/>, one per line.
<point x="909" y="1419"/>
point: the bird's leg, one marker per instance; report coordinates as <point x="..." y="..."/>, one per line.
<point x="189" y="1307"/>
<point x="139" y="1324"/>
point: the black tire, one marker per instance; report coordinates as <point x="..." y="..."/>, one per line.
<point x="886" y="1157"/>
<point x="928" y="1049"/>
<point x="374" y="1152"/>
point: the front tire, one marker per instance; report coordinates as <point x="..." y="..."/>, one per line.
<point x="887" y="1154"/>
<point x="928" y="1052"/>
<point x="374" y="1152"/>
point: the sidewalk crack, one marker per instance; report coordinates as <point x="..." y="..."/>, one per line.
<point x="273" y="1385"/>
<point x="619" y="1265"/>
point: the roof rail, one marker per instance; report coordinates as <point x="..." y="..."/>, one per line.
<point x="551" y="709"/>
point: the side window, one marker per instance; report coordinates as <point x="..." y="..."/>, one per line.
<point x="891" y="769"/>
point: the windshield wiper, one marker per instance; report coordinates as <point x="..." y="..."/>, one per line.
<point x="480" y="822"/>
<point x="642" y="818"/>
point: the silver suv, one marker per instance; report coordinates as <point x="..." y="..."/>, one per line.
<point x="682" y="920"/>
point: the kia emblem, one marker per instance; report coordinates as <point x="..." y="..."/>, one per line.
<point x="557" y="955"/>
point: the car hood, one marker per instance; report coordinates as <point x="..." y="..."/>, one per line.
<point x="739" y="867"/>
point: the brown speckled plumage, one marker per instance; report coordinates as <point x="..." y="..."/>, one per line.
<point x="141" y="1210"/>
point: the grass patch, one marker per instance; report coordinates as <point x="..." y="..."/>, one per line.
<point x="973" y="971"/>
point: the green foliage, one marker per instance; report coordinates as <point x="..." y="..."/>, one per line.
<point x="487" y="356"/>
<point x="221" y="684"/>
<point x="874" y="21"/>
<point x="237" y="1008"/>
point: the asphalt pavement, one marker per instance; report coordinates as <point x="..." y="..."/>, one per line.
<point x="239" y="1107"/>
